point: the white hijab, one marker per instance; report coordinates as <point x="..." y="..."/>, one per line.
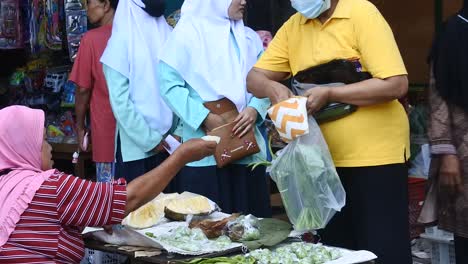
<point x="254" y="47"/>
<point x="133" y="50"/>
<point x="201" y="51"/>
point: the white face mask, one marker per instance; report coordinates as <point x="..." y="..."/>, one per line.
<point x="311" y="8"/>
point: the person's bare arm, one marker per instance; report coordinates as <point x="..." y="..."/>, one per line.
<point x="264" y="83"/>
<point x="82" y="98"/>
<point x="365" y="93"/>
<point x="370" y="92"/>
<point x="146" y="187"/>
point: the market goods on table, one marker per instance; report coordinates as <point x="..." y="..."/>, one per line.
<point x="212" y="228"/>
<point x="173" y="206"/>
<point x="177" y="237"/>
<point x="150" y="213"/>
<point x="243" y="228"/>
<point x="298" y="252"/>
<point x="188" y="204"/>
<point x="271" y="233"/>
<point x="294" y="253"/>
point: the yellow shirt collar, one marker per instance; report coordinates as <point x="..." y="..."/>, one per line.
<point x="343" y="10"/>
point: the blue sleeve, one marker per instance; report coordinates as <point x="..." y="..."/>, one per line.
<point x="261" y="105"/>
<point x="176" y="93"/>
<point x="129" y="120"/>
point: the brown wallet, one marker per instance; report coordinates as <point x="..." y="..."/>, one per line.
<point x="230" y="147"/>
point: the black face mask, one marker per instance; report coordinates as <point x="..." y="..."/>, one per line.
<point x="154" y="8"/>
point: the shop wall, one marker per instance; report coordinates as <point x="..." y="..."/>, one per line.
<point x="413" y="23"/>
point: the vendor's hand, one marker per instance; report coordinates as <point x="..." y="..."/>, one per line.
<point x="212" y="121"/>
<point x="81" y="136"/>
<point x="195" y="149"/>
<point x="279" y="92"/>
<point x="317" y="98"/>
<point x="245" y="121"/>
<point x="450" y="175"/>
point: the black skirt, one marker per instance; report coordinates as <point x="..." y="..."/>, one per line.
<point x="133" y="169"/>
<point x="375" y="217"/>
<point x="235" y="188"/>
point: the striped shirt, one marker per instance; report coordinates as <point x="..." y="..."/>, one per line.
<point x="48" y="231"/>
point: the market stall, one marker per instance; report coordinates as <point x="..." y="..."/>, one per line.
<point x="204" y="237"/>
<point x="164" y="257"/>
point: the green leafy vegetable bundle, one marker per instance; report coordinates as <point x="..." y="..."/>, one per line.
<point x="307" y="180"/>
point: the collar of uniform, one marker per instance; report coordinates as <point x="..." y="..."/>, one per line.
<point x="342" y="10"/>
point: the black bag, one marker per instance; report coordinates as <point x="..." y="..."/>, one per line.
<point x="333" y="73"/>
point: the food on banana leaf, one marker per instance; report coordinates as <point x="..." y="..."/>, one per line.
<point x="244" y="228"/>
<point x="299" y="252"/>
<point x="213" y="229"/>
<point x="272" y="232"/>
<point x="191" y="240"/>
<point x="188" y="204"/>
<point x="150" y="213"/>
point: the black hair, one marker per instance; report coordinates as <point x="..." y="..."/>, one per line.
<point x="113" y="3"/>
<point x="154" y="8"/>
<point x="450" y="61"/>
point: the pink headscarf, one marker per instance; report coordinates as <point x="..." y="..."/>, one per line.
<point x="21" y="137"/>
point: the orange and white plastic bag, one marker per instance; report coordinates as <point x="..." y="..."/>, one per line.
<point x="290" y="118"/>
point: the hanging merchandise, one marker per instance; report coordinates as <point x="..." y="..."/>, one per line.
<point x="54" y="13"/>
<point x="11" y="35"/>
<point x="76" y="22"/>
<point x="45" y="26"/>
<point x="68" y="96"/>
<point x="37" y="27"/>
<point x="73" y="5"/>
<point x="76" y="25"/>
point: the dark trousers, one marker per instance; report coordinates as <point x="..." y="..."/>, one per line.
<point x="461" y="250"/>
<point x="132" y="169"/>
<point x="375" y="217"/>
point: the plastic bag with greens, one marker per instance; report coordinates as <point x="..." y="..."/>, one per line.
<point x="308" y="182"/>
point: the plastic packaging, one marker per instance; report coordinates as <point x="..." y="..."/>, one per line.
<point x="244" y="228"/>
<point x="76" y="25"/>
<point x="54" y="11"/>
<point x="76" y="21"/>
<point x="308" y="182"/>
<point x="73" y="5"/>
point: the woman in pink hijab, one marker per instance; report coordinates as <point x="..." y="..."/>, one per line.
<point x="42" y="209"/>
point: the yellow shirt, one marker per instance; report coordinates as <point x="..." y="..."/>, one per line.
<point x="373" y="135"/>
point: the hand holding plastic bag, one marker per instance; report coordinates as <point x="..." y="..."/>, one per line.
<point x="308" y="182"/>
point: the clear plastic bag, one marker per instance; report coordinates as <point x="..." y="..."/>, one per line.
<point x="244" y="228"/>
<point x="308" y="182"/>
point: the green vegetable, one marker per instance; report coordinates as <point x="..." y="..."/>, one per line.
<point x="264" y="162"/>
<point x="308" y="183"/>
<point x="150" y="234"/>
<point x="222" y="260"/>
